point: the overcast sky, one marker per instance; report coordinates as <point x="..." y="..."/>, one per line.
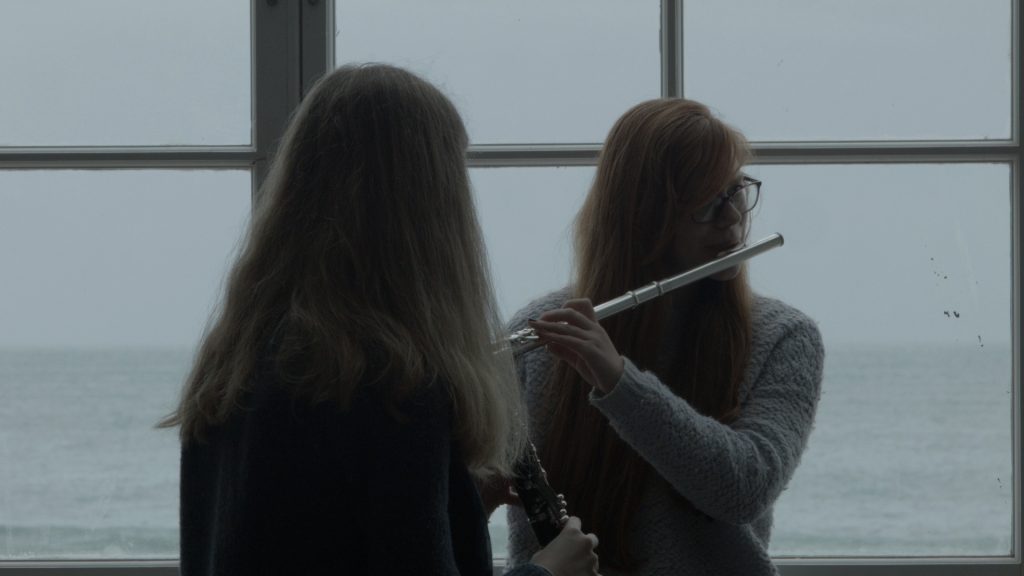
<point x="893" y="254"/>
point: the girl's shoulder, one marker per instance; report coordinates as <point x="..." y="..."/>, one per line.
<point x="781" y="331"/>
<point x="773" y="317"/>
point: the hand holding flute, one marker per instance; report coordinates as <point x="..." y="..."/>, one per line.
<point x="574" y="334"/>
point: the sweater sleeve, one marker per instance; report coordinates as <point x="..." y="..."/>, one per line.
<point x="732" y="472"/>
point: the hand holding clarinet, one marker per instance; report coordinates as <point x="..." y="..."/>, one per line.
<point x="565" y="549"/>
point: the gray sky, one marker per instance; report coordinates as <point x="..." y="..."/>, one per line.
<point x="124" y="72"/>
<point x="875" y="253"/>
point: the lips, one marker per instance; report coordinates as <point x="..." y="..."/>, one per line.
<point x="724" y="247"/>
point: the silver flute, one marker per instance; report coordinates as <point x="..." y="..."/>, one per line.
<point x="525" y="340"/>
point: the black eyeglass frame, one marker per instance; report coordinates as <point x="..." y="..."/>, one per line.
<point x="711" y="212"/>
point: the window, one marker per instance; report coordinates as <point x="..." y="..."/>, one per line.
<point x="131" y="137"/>
<point x="853" y="71"/>
<point x="115" y="73"/>
<point x="528" y="71"/>
<point x="914" y="425"/>
<point x="109" y="278"/>
<point x="887" y="134"/>
<point x="529" y="249"/>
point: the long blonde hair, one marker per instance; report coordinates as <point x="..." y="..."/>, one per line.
<point x="662" y="159"/>
<point x="366" y="263"/>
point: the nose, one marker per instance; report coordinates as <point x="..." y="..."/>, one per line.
<point x="728" y="215"/>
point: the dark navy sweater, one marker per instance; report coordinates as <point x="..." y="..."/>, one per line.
<point x="288" y="487"/>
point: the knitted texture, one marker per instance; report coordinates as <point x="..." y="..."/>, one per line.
<point x="732" y="473"/>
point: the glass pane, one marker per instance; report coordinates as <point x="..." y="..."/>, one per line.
<point x="526" y="215"/>
<point x="108" y="280"/>
<point x="124" y="73"/>
<point x="907" y="269"/>
<point x="526" y="71"/>
<point x="841" y="70"/>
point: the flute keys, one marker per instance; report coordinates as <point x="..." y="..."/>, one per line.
<point x="524" y="336"/>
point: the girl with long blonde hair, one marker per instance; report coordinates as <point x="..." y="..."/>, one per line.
<point x="671" y="428"/>
<point x="346" y="398"/>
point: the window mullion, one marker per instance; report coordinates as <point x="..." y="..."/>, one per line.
<point x="317" y="40"/>
<point x="1017" y="255"/>
<point x="277" y="83"/>
<point x="883" y="152"/>
<point x="672" y="48"/>
<point x="898" y="567"/>
<point x="56" y="158"/>
<point x="522" y="155"/>
<point x="86" y="568"/>
<point x="1017" y="409"/>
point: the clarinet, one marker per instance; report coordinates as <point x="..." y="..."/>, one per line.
<point x="544" y="508"/>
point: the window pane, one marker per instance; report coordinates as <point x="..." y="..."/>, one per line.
<point x="122" y="72"/>
<point x="527" y="71"/>
<point x="841" y="70"/>
<point x="108" y="280"/>
<point x="526" y="215"/>
<point x="907" y="269"/>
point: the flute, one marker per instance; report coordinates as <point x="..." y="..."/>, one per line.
<point x="525" y="340"/>
<point x="545" y="509"/>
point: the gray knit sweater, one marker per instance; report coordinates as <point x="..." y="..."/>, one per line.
<point x="731" y="473"/>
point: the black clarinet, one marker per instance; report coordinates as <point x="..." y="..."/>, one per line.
<point x="544" y="507"/>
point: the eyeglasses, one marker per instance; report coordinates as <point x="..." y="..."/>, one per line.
<point x="743" y="197"/>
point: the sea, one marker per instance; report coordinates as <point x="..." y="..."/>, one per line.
<point x="911" y="455"/>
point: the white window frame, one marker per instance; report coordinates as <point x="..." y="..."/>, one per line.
<point x="292" y="45"/>
<point x="1010" y="152"/>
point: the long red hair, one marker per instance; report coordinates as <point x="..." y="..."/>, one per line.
<point x="661" y="160"/>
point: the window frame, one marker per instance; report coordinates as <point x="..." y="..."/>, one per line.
<point x="292" y="45"/>
<point x="1010" y="152"/>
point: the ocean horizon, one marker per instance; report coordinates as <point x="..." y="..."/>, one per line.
<point x="910" y="456"/>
